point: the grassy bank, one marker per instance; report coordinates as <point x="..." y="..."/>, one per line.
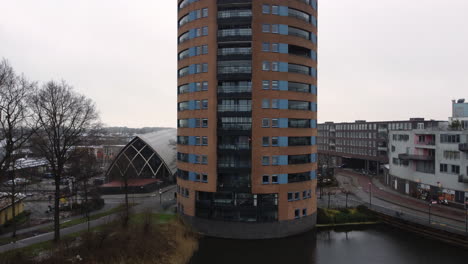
<point x="358" y="215"/>
<point x="146" y="238"/>
<point x="77" y="221"/>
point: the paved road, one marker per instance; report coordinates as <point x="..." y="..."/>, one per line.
<point x="145" y="202"/>
<point x="385" y="197"/>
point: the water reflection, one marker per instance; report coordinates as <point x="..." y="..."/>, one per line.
<point x="380" y="245"/>
<point x="298" y="249"/>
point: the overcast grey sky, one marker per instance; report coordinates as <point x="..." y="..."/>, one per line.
<point x="378" y="59"/>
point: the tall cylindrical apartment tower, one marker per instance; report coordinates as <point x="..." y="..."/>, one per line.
<point x="247" y="116"/>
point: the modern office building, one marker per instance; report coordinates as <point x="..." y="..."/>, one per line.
<point x="247" y="112"/>
<point x="362" y="144"/>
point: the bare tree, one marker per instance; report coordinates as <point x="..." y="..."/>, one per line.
<point x="84" y="165"/>
<point x="15" y="125"/>
<point x="64" y="118"/>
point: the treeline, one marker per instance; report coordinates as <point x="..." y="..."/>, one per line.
<point x="53" y="119"/>
<point x="131" y="131"/>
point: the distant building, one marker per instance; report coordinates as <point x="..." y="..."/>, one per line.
<point x="429" y="164"/>
<point x="362" y="144"/>
<point x="432" y="163"/>
<point x="6" y="208"/>
<point x="460" y="112"/>
<point x="148" y="161"/>
<point x="110" y="152"/>
<point x="104" y="154"/>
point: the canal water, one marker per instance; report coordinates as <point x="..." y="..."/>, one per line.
<point x="375" y="245"/>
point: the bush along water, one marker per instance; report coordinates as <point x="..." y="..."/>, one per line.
<point x="359" y="214"/>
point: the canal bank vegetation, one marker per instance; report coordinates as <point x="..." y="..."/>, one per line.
<point x="145" y="238"/>
<point x="358" y="215"/>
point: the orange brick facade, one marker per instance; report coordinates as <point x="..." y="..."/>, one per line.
<point x="285" y="209"/>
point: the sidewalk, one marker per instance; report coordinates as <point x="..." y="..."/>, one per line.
<point x="387" y="194"/>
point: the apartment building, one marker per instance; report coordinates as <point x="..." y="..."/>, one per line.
<point x="247" y="111"/>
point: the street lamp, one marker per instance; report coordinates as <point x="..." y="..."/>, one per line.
<point x="346" y="193"/>
<point x="160" y="196"/>
<point x="430" y="205"/>
<point x="466" y="217"/>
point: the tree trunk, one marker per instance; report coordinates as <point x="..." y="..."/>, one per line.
<point x="57" y="209"/>
<point x="13" y="211"/>
<point x="126" y="199"/>
<point x="85" y="187"/>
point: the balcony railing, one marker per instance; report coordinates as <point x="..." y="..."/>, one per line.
<point x="234" y="89"/>
<point x="463" y="178"/>
<point x="305" y="1"/>
<point x="233" y="164"/>
<point x="227" y="14"/>
<point x="416" y="157"/>
<point x="427" y="143"/>
<point x="463" y="147"/>
<point x="245" y="127"/>
<point x="234" y="146"/>
<point x="234" y="108"/>
<point x="234" y="1"/>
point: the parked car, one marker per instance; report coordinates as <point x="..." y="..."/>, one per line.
<point x="17" y="181"/>
<point x="98" y="181"/>
<point x="48" y="175"/>
<point x="63" y="181"/>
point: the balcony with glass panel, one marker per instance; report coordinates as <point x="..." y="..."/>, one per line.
<point x="292" y="31"/>
<point x="235" y="125"/>
<point x="239" y="89"/>
<point x="299" y="15"/>
<point x="299" y="87"/>
<point x="234" y="70"/>
<point x="299" y="123"/>
<point x="234" y="108"/>
<point x="300" y="69"/>
<point x="232" y="53"/>
<point x="299" y="51"/>
<point x="298" y="105"/>
<point x="234" y="33"/>
<point x="234" y="181"/>
<point x="304" y="1"/>
<point x="234" y="162"/>
<point x="235" y="16"/>
<point x="233" y="2"/>
<point x="234" y="143"/>
<point x="184" y="54"/>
